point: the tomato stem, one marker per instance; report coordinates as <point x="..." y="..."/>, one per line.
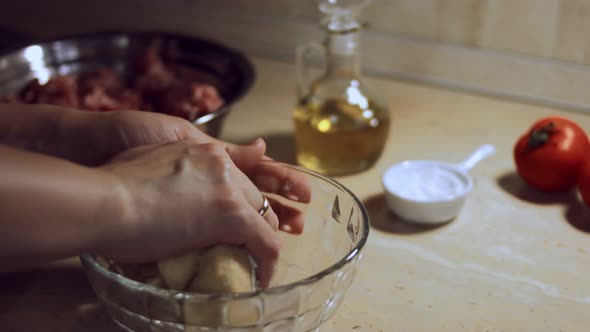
<point x="539" y="137"/>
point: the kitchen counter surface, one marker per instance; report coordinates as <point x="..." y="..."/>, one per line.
<point x="513" y="260"/>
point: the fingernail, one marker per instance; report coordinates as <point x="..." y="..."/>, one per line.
<point x="286" y="228"/>
<point x="286" y="191"/>
<point x="257" y="141"/>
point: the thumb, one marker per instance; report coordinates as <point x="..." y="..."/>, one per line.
<point x="247" y="156"/>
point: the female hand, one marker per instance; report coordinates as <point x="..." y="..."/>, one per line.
<point x="118" y="131"/>
<point x="185" y="195"/>
<point x="92" y="138"/>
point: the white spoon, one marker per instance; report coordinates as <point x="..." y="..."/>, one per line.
<point x="476" y="156"/>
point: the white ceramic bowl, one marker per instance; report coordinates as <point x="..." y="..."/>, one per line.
<point x="436" y="195"/>
<point x="431" y="192"/>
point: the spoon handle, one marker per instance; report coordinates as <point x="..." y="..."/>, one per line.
<point x="478" y="155"/>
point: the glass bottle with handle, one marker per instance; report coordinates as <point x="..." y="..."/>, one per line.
<point x="340" y="128"/>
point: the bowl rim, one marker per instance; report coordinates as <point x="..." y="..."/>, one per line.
<point x="90" y="261"/>
<point x="385" y="178"/>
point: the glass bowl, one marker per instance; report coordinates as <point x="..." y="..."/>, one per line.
<point x="314" y="272"/>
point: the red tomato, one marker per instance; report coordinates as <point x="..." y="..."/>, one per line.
<point x="584" y="180"/>
<point x="550" y="154"/>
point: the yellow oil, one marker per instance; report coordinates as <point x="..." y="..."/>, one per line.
<point x="339" y="138"/>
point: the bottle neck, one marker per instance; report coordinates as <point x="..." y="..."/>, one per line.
<point x="343" y="51"/>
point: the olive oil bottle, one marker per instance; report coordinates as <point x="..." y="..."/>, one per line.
<point x="339" y="128"/>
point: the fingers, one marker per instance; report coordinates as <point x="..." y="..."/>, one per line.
<point x="257" y="233"/>
<point x="246" y="156"/>
<point x="253" y="195"/>
<point x="267" y="175"/>
<point x="272" y="219"/>
<point x="248" y="228"/>
<point x="291" y="219"/>
<point x="264" y="245"/>
<point x="277" y="179"/>
<point x="203" y="199"/>
<point x="262" y="242"/>
<point x="273" y="178"/>
<point x="261" y="236"/>
<point x="265" y="209"/>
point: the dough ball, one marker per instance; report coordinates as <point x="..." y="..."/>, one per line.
<point x="224" y="269"/>
<point x="177" y="272"/>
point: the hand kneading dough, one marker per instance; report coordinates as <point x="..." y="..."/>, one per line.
<point x="219" y="269"/>
<point x="178" y="272"/>
<point x="224" y="269"/>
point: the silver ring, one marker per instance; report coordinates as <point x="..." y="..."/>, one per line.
<point x="265" y="207"/>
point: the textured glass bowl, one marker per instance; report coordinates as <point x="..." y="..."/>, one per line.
<point x="315" y="270"/>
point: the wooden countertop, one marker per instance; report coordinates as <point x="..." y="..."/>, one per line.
<point x="514" y="260"/>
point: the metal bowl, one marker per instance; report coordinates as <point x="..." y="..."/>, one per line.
<point x="226" y="69"/>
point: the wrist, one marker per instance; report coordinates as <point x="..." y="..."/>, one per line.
<point x="34" y="128"/>
<point x="115" y="217"/>
<point x="79" y="134"/>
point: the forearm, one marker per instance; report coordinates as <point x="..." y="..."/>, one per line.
<point x="51" y="208"/>
<point x="51" y="130"/>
